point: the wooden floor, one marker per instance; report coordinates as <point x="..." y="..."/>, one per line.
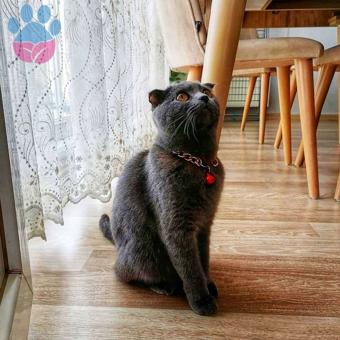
<point x="275" y="257"/>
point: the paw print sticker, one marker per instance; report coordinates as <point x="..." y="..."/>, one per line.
<point x="33" y="43"/>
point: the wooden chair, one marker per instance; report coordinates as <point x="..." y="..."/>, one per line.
<point x="282" y="53"/>
<point x="185" y="35"/>
<point x="327" y="64"/>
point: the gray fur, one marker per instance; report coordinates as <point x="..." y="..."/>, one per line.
<point x="163" y="210"/>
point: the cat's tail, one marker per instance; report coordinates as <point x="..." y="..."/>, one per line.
<point x="105" y="227"/>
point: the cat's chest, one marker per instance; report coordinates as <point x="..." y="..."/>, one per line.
<point x="201" y="184"/>
<point x="173" y="177"/>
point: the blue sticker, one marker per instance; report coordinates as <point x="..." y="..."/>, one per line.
<point x="33" y="43"/>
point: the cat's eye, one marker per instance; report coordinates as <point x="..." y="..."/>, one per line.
<point x="207" y="92"/>
<point x="182" y="97"/>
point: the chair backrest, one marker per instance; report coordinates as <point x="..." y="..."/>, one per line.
<point x="184" y="25"/>
<point x="182" y="45"/>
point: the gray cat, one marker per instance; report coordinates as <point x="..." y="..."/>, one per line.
<point x="167" y="197"/>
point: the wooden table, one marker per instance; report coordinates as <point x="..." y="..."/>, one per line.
<point x="226" y="19"/>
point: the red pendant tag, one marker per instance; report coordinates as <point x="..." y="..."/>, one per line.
<point x="209" y="178"/>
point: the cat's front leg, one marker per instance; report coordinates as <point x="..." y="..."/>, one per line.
<point x="182" y="247"/>
<point x="203" y="240"/>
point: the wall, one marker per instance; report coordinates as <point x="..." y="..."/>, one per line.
<point x="328" y="37"/>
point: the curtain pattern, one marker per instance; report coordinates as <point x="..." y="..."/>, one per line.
<point x="78" y="74"/>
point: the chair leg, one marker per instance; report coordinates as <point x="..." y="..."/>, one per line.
<point x="337" y="190"/>
<point x="292" y="91"/>
<point x="304" y="79"/>
<point x="263" y="105"/>
<point x="252" y="82"/>
<point x="283" y="73"/>
<point x="195" y="73"/>
<point x="224" y="32"/>
<point x="323" y="83"/>
<point x="278" y="136"/>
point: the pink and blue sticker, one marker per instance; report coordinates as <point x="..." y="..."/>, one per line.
<point x="33" y="42"/>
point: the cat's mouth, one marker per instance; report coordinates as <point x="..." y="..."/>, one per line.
<point x="197" y="120"/>
<point x="204" y="119"/>
<point x="207" y="113"/>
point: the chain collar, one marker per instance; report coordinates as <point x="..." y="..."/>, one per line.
<point x="195" y="160"/>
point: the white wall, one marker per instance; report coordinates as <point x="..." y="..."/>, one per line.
<point x="328" y="37"/>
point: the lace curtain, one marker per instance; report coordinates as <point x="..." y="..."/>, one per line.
<point x="77" y="74"/>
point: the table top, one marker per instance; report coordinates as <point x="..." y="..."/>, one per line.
<point x="287" y="13"/>
<point x="280" y="5"/>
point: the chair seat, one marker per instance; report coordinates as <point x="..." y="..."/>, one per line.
<point x="253" y="71"/>
<point x="330" y="56"/>
<point x="274" y="52"/>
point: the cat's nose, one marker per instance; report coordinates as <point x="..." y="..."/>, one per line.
<point x="204" y="98"/>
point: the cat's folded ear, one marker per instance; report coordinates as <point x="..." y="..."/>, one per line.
<point x="210" y="86"/>
<point x="156" y="97"/>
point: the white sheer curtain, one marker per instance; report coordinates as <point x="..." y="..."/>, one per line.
<point x="77" y="74"/>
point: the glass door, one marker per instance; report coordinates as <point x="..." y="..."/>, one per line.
<point x="15" y="279"/>
<point x="2" y="252"/>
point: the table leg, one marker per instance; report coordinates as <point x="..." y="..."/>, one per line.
<point x="304" y="79"/>
<point x="224" y="31"/>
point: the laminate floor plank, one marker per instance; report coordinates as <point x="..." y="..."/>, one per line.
<point x="142" y="323"/>
<point x="275" y="257"/>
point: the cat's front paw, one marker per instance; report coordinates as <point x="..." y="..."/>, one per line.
<point x="204" y="306"/>
<point x="213" y="289"/>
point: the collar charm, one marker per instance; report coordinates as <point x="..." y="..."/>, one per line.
<point x="209" y="177"/>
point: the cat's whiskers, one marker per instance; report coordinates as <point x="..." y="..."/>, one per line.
<point x="187" y="118"/>
<point x="178" y="127"/>
<point x="192" y="120"/>
<point x="193" y="125"/>
<point x="183" y="118"/>
<point x="180" y="116"/>
<point x="186" y="126"/>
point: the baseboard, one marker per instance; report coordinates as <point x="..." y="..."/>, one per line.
<point x="236" y="115"/>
